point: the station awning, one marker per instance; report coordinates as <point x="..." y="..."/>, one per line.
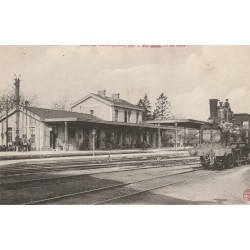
<point x="184" y="123"/>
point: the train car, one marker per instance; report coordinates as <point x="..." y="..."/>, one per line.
<point x="223" y="142"/>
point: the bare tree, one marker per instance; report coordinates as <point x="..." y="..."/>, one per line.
<point x="62" y="104"/>
<point x="9" y="95"/>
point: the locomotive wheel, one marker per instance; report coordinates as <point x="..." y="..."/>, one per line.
<point x="221" y="164"/>
<point x="238" y="162"/>
<point x="204" y="163"/>
<point x="229" y="161"/>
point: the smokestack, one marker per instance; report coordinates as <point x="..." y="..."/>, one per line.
<point x="213" y="107"/>
<point x="116" y="96"/>
<point x="101" y="92"/>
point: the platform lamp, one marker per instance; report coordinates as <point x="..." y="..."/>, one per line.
<point x="93" y="138"/>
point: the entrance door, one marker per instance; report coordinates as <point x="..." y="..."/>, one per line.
<point x="52" y="140"/>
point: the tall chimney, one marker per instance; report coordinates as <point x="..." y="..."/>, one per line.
<point x="101" y="92"/>
<point x="116" y="96"/>
<point x="213" y="107"/>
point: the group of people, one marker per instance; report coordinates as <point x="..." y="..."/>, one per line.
<point x="20" y="145"/>
<point x="230" y="131"/>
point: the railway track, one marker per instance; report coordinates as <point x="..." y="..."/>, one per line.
<point x="22" y="181"/>
<point x="29" y="169"/>
<point x="122" y="185"/>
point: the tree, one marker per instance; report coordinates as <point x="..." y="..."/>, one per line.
<point x="9" y="95"/>
<point x="61" y="104"/>
<point x="163" y="108"/>
<point x="145" y="104"/>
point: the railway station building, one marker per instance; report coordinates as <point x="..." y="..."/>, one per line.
<point x="114" y="123"/>
<point x="99" y="120"/>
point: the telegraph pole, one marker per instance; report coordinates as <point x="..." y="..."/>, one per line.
<point x="26" y="120"/>
<point x="17" y="104"/>
<point x="7" y="123"/>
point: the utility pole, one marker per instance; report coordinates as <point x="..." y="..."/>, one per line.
<point x="17" y="104"/>
<point x="7" y="114"/>
<point x="7" y="122"/>
<point x="26" y="120"/>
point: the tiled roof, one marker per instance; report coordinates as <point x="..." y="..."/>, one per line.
<point x="119" y="102"/>
<point x="52" y="113"/>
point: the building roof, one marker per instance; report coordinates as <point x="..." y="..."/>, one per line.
<point x="110" y="101"/>
<point x="185" y="123"/>
<point x="61" y="114"/>
<point x="52" y="115"/>
<point x="119" y="102"/>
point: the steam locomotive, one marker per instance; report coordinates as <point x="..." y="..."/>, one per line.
<point x="224" y="143"/>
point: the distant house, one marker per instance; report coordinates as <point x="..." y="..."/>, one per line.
<point x="108" y="108"/>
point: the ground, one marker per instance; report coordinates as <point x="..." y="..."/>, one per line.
<point x="127" y="179"/>
<point x="225" y="187"/>
<point x="206" y="187"/>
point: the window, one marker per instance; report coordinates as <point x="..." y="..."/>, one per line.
<point x="125" y="116"/>
<point x="32" y="134"/>
<point x="9" y="135"/>
<point x="213" y="135"/>
<point x="116" y="115"/>
<point x="206" y="135"/>
<point x="137" y="117"/>
<point x="129" y="115"/>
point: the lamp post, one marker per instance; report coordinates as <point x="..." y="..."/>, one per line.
<point x="93" y="142"/>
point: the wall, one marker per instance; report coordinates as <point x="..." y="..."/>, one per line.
<point x="101" y="110"/>
<point x="32" y="121"/>
<point x="121" y="115"/>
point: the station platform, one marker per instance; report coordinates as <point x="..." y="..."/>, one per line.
<point x="14" y="157"/>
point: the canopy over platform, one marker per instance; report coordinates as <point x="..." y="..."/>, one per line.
<point x="184" y="123"/>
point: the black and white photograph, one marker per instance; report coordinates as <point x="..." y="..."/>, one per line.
<point x="124" y="125"/>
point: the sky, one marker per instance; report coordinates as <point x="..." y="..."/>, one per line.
<point x="188" y="75"/>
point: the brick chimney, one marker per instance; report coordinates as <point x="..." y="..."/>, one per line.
<point x="101" y="92"/>
<point x="116" y="96"/>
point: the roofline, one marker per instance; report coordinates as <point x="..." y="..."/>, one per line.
<point x="175" y="121"/>
<point x="69" y="119"/>
<point x="89" y="95"/>
<point x="111" y="123"/>
<point x="10" y="112"/>
<point x="139" y="108"/>
<point x="110" y="103"/>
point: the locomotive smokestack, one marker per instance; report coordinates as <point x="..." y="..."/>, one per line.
<point x="213" y="107"/>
